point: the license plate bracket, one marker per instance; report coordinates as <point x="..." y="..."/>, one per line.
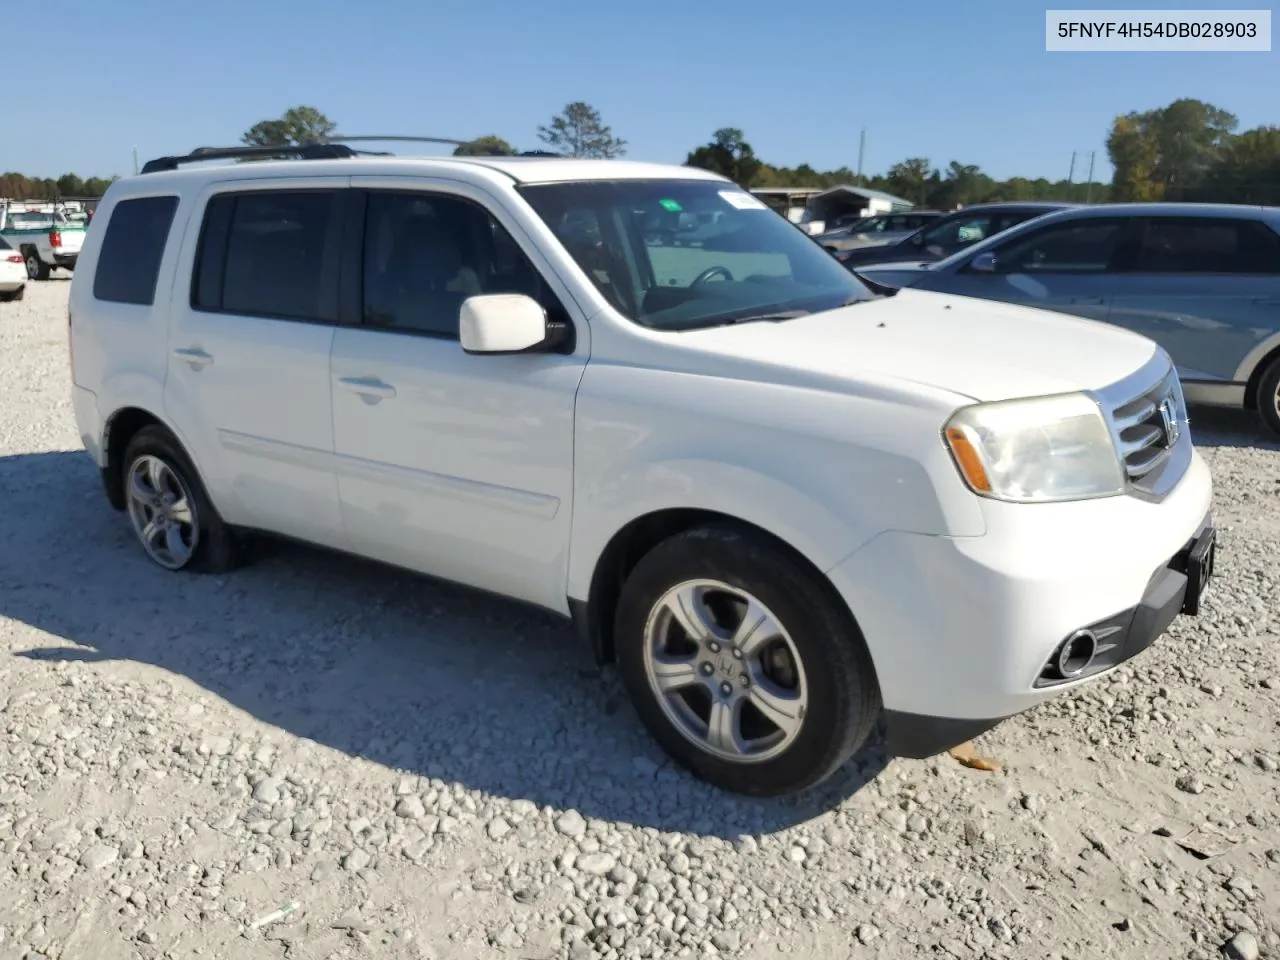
<point x="1201" y="559"/>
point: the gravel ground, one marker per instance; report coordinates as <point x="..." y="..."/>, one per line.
<point x="428" y="772"/>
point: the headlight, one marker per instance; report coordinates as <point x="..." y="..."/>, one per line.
<point x="1037" y="450"/>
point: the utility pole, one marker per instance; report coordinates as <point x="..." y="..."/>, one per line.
<point x="135" y="159"/>
<point x="1071" y="174"/>
<point x="862" y="149"/>
<point x="1088" y="190"/>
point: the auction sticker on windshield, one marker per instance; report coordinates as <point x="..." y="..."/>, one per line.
<point x="742" y="200"/>
<point x="672" y="205"/>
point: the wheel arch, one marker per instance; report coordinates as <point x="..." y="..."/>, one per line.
<point x="121" y="427"/>
<point x="1258" y="372"/>
<point x="593" y="616"/>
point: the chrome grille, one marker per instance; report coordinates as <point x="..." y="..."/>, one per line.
<point x="1149" y="423"/>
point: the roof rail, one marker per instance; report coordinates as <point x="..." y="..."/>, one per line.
<point x="456" y="143"/>
<point x="305" y="151"/>
<point x="330" y="148"/>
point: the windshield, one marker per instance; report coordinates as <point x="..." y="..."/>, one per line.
<point x="685" y="254"/>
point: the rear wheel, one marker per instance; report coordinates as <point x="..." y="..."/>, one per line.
<point x="1269" y="397"/>
<point x="742" y="664"/>
<point x="37" y="269"/>
<point x="169" y="509"/>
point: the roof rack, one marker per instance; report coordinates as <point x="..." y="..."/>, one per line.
<point x="305" y="151"/>
<point x="330" y="148"/>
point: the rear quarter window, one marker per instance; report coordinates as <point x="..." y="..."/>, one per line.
<point x="132" y="247"/>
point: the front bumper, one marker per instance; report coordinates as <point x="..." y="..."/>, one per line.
<point x="1175" y="589"/>
<point x="961" y="629"/>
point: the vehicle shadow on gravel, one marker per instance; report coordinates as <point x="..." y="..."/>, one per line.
<point x="410" y="673"/>
<point x="1222" y="427"/>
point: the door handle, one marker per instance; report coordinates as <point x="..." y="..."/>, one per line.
<point x="1089" y="300"/>
<point x="196" y="358"/>
<point x="370" y="387"/>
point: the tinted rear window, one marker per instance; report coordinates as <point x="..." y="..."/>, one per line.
<point x="132" y="249"/>
<point x="1204" y="245"/>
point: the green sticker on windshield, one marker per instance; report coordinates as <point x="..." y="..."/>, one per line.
<point x="671" y="205"/>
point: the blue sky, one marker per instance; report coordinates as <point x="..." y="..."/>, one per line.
<point x="969" y="81"/>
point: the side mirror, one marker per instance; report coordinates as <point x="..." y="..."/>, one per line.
<point x="983" y="263"/>
<point x="498" y="323"/>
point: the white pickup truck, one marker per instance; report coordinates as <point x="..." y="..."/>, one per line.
<point x="44" y="233"/>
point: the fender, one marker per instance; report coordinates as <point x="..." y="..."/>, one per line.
<point x="1255" y="357"/>
<point x="822" y="535"/>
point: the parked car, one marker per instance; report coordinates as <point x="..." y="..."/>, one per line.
<point x="1201" y="280"/>
<point x="13" y="272"/>
<point x="876" y="230"/>
<point x="942" y="237"/>
<point x="46" y="238"/>
<point x="785" y="505"/>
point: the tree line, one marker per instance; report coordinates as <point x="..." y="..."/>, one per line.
<point x="1188" y="150"/>
<point x="17" y="186"/>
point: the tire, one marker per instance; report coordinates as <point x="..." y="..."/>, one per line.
<point x="1269" y="397"/>
<point x="719" y="566"/>
<point x="37" y="269"/>
<point x="205" y="544"/>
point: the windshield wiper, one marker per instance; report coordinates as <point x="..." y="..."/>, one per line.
<point x="764" y="317"/>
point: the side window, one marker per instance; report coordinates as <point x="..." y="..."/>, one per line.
<point x="1081" y="246"/>
<point x="424" y="254"/>
<point x="132" y="247"/>
<point x="1203" y="245"/>
<point x="960" y="232"/>
<point x="269" y="253"/>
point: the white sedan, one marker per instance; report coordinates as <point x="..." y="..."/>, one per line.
<point x="13" y="272"/>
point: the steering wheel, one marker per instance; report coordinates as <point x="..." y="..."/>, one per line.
<point x="707" y="274"/>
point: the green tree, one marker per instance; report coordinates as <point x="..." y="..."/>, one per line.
<point x="298" y="125"/>
<point x="729" y="155"/>
<point x="910" y="179"/>
<point x="486" y="146"/>
<point x="580" y="132"/>
<point x="1246" y="170"/>
<point x="70" y="185"/>
<point x="1188" y="134"/>
<point x="1134" y="153"/>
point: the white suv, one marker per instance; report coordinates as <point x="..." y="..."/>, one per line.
<point x="785" y="503"/>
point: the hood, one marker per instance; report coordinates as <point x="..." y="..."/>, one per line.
<point x="979" y="349"/>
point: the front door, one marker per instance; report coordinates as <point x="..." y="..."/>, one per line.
<point x="457" y="465"/>
<point x="248" y="383"/>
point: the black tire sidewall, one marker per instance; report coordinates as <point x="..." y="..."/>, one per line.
<point x="215" y="546"/>
<point x="843" y="694"/>
<point x="1266" y="398"/>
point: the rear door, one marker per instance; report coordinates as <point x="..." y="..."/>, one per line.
<point x="1207" y="289"/>
<point x="1067" y="266"/>
<point x="249" y="342"/>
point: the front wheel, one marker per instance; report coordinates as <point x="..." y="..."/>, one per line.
<point x="1269" y="397"/>
<point x="742" y="664"/>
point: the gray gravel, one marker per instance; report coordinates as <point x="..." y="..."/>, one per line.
<point x="317" y="757"/>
